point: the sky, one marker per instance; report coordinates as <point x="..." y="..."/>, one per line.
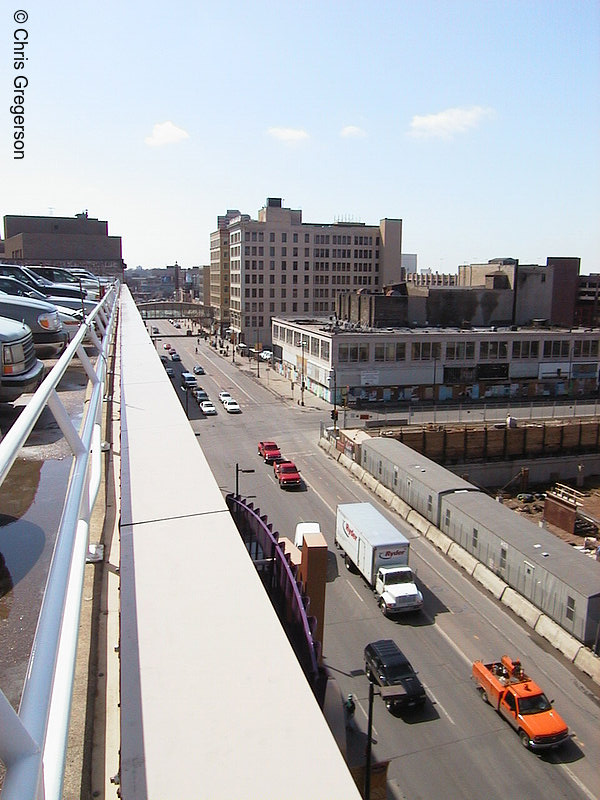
<point x="475" y="122"/>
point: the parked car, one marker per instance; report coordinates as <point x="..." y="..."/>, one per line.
<point x="224" y="396"/>
<point x="386" y="665"/>
<point x="231" y="406"/>
<point x="85" y="273"/>
<point x="188" y="381"/>
<point x="175" y="356"/>
<point x="41" y="284"/>
<point x="166" y="346"/>
<point x="19" y="289"/>
<point x="269" y="451"/>
<point x="288" y="475"/>
<point x="61" y="275"/>
<point x="43" y="319"/>
<point x="200" y="395"/>
<point x="198" y="370"/>
<point x="20" y="369"/>
<point x="207" y="408"/>
<point x="170" y="372"/>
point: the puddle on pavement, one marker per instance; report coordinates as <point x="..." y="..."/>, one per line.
<point x="31" y="501"/>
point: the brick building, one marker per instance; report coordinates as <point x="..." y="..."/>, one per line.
<point x="78" y="241"/>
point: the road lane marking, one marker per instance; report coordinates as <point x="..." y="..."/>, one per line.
<point x="373" y="728"/>
<point x="354" y="590"/>
<point x="577" y="782"/>
<point x="438" y="704"/>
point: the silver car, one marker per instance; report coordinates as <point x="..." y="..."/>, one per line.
<point x="43" y="319"/>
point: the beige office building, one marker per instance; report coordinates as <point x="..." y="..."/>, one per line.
<point x="219" y="294"/>
<point x="279" y="265"/>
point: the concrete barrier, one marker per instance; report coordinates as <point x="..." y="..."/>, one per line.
<point x="521" y="606"/>
<point x="345" y="461"/>
<point x="357" y="471"/>
<point x="587" y="662"/>
<point x="384" y="493"/>
<point x="466" y="560"/>
<point x="399" y="506"/>
<point x="489" y="580"/>
<point x="370" y="481"/>
<point x="417" y="521"/>
<point x="558" y="638"/>
<point x="329" y="448"/>
<point x="439" y="539"/>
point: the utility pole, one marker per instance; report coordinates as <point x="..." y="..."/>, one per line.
<point x="237" y="477"/>
<point x="302" y="346"/>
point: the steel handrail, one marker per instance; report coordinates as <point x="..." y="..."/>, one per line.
<point x="33" y="742"/>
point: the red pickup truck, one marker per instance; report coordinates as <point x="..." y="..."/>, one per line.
<point x="269" y="451"/>
<point x="287" y="474"/>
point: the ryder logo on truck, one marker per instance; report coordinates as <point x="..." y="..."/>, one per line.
<point x="386" y="555"/>
<point x="349" y="532"/>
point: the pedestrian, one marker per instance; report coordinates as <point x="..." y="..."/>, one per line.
<point x="350" y="708"/>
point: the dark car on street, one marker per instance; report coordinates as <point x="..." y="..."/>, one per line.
<point x="387" y="666"/>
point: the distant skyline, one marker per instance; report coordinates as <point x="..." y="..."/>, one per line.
<point x="475" y="123"/>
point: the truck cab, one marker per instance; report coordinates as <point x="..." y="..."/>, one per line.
<point x="397" y="591"/>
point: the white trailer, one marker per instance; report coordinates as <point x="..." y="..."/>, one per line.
<point x="380" y="552"/>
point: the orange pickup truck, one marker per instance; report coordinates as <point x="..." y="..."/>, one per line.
<point x="521" y="702"/>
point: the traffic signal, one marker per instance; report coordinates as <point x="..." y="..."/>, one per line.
<point x="334" y="415"/>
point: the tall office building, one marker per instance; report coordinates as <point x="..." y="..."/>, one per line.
<point x="219" y="297"/>
<point x="282" y="266"/>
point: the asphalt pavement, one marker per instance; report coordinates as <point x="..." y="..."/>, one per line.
<point x="275" y="382"/>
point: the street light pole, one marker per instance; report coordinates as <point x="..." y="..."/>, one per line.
<point x="334" y="402"/>
<point x="237" y="477"/>
<point x="302" y="346"/>
<point x="367" y="792"/>
<point x="257" y="358"/>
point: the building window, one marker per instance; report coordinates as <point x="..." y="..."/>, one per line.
<point x="447" y="519"/>
<point x="475" y="539"/>
<point x="525" y="349"/>
<point x="429" y="504"/>
<point x="491" y="351"/>
<point x="503" y="555"/>
<point x="284" y="237"/>
<point x="558" y="348"/>
<point x="570" y="612"/>
<point x="586" y="348"/>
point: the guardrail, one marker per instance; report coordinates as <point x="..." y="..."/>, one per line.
<point x="33" y="742"/>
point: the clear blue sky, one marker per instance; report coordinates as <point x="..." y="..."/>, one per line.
<point x="477" y="123"/>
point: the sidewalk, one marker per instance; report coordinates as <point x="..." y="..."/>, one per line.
<point x="278" y="384"/>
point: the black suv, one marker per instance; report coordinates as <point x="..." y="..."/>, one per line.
<point x="386" y="665"/>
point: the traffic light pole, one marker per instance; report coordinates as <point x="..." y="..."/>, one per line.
<point x="334" y="412"/>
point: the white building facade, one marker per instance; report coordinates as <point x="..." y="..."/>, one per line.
<point x="396" y="365"/>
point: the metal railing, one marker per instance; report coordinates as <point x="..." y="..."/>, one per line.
<point x="33" y="742"/>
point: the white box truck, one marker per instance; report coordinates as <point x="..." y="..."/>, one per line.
<point x="380" y="553"/>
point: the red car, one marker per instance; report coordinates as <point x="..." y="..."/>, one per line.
<point x="269" y="451"/>
<point x="287" y="474"/>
